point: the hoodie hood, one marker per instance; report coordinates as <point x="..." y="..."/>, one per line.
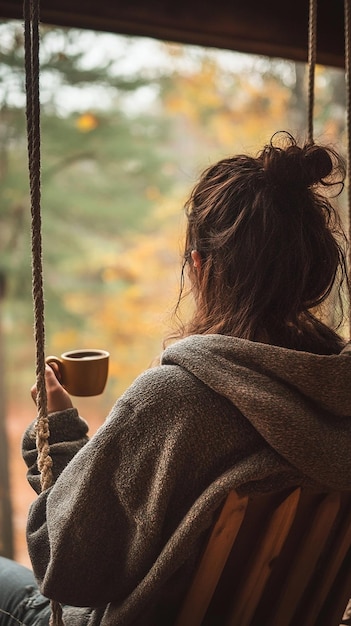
<point x="299" y="402"/>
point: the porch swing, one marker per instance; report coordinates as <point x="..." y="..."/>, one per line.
<point x="302" y="555"/>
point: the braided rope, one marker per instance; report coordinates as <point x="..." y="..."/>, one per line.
<point x="31" y="41"/>
<point x="312" y="52"/>
<point x="348" y="130"/>
<point x="33" y="130"/>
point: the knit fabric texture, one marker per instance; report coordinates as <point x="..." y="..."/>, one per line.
<point x="119" y="532"/>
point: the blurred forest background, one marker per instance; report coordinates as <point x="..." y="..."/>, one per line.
<point x="127" y="126"/>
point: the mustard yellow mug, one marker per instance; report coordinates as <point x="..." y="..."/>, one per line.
<point x="82" y="372"/>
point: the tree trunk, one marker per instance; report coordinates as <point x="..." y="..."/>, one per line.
<point x="6" y="527"/>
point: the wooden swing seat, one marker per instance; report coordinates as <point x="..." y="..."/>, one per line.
<point x="274" y="560"/>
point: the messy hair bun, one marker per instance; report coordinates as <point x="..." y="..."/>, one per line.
<point x="295" y="167"/>
<point x="271" y="244"/>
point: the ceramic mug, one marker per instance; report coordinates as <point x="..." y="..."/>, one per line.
<point x="82" y="372"/>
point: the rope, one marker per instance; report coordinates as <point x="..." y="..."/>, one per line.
<point x="348" y="131"/>
<point x="31" y="59"/>
<point x="312" y="49"/>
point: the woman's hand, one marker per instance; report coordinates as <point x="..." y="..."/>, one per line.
<point x="57" y="398"/>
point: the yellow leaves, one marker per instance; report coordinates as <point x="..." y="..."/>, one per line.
<point x="222" y="111"/>
<point x="114" y="273"/>
<point x="65" y="339"/>
<point x="152" y="193"/>
<point x="87" y="122"/>
<point x="331" y="131"/>
<point x="130" y="315"/>
<point x="108" y="274"/>
<point x="195" y="92"/>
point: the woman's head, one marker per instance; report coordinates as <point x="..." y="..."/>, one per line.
<point x="268" y="241"/>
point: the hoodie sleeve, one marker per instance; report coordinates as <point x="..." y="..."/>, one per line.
<point x="68" y="433"/>
<point x="90" y="537"/>
<point x="95" y="533"/>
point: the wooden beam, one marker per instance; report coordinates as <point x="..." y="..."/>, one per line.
<point x="272" y="28"/>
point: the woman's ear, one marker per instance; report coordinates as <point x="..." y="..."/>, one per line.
<point x="196" y="258"/>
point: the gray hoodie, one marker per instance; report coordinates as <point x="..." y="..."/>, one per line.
<point x="121" y="528"/>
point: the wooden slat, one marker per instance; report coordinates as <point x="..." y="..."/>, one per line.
<point x="339" y="597"/>
<point x="213" y="561"/>
<point x="250" y="591"/>
<point x="338" y="552"/>
<point x="290" y="564"/>
<point x="302" y="567"/>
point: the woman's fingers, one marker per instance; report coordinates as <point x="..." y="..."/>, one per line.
<point x="57" y="398"/>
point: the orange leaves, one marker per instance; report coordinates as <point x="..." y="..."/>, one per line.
<point x="228" y="109"/>
<point x="195" y="92"/>
<point x="87" y="122"/>
<point x="130" y="315"/>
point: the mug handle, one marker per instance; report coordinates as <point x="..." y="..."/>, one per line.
<point x="57" y="370"/>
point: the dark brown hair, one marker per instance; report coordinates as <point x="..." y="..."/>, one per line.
<point x="271" y="245"/>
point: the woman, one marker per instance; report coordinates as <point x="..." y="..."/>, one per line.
<point x="248" y="398"/>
